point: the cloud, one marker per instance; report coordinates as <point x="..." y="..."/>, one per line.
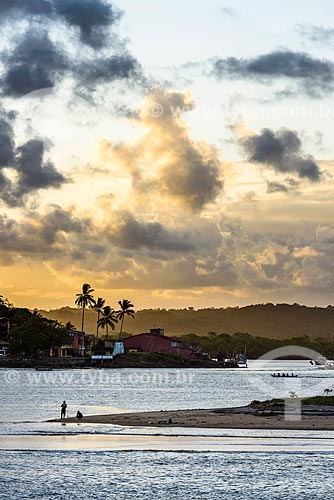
<point x="315" y="75"/>
<point x="7" y="144"/>
<point x="34" y="7"/>
<point x="104" y="70"/>
<point x="318" y="34"/>
<point x="301" y="252"/>
<point x="62" y="220"/>
<point x="33" y="172"/>
<point x="281" y="150"/>
<point x="325" y="235"/>
<point x="165" y="159"/>
<point x="41" y="236"/>
<point x="229" y="12"/>
<point x="92" y="17"/>
<point x="276" y="187"/>
<point x="35" y="63"/>
<point x="134" y="253"/>
<point x="134" y="234"/>
<point x="40" y="58"/>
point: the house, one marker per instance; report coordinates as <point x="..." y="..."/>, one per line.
<point x="103" y="348"/>
<point x="79" y="346"/>
<point x="4" y="349"/>
<point x="156" y="341"/>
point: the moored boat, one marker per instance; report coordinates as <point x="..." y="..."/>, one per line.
<point x="329" y="365"/>
<point x="241" y="360"/>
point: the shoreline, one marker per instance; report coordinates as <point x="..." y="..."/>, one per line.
<point x="128" y="360"/>
<point x="246" y="417"/>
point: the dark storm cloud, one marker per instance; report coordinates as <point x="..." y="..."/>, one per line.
<point x="7" y="144"/>
<point x="35" y="63"/>
<point x="282" y="151"/>
<point x="34" y="7"/>
<point x="315" y="74"/>
<point x="134" y="234"/>
<point x="33" y="172"/>
<point x="61" y="220"/>
<point x="195" y="180"/>
<point x="90" y="16"/>
<point x="106" y="70"/>
<point x="41" y="234"/>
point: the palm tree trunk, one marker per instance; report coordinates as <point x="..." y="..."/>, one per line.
<point x="82" y="330"/>
<point x="83" y="319"/>
<point x="107" y="331"/>
<point x="121" y="330"/>
<point x="97" y="326"/>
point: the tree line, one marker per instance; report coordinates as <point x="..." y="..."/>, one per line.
<point x="215" y="344"/>
<point x="30" y="334"/>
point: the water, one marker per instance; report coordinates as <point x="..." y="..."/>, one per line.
<point x="98" y="461"/>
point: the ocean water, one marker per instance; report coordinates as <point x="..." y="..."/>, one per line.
<point x="166" y="475"/>
<point x="79" y="461"/>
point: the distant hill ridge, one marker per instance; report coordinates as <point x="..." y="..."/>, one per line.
<point x="264" y="320"/>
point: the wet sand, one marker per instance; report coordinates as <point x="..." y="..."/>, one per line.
<point x="236" y="418"/>
<point x="124" y="442"/>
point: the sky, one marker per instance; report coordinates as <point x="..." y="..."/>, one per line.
<point x="173" y="153"/>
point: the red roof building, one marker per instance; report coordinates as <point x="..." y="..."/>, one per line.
<point x="155" y="341"/>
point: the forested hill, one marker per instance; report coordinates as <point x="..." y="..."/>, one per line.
<point x="265" y="320"/>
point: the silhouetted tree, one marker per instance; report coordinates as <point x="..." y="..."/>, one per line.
<point x="84" y="299"/>
<point x="126" y="309"/>
<point x="108" y="319"/>
<point x="98" y="307"/>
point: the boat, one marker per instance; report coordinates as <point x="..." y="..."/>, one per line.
<point x="319" y="361"/>
<point x="329" y="365"/>
<point x="323" y="363"/>
<point x="241" y="360"/>
<point x="284" y="375"/>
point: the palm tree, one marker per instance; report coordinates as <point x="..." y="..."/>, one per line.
<point x="84" y="299"/>
<point x="98" y="307"/>
<point x="126" y="309"/>
<point x="108" y="319"/>
<point x="69" y="326"/>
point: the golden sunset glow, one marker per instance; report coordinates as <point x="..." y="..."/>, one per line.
<point x="207" y="181"/>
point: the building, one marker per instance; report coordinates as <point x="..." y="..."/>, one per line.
<point x="156" y="341"/>
<point x="4" y="349"/>
<point x="80" y="345"/>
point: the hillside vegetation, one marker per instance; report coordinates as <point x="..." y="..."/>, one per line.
<point x="263" y="320"/>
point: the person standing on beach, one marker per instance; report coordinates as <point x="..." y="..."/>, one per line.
<point x="63" y="410"/>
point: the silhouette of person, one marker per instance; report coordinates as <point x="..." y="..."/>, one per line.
<point x="63" y="410"/>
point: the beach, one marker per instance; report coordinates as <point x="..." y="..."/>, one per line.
<point x="227" y="418"/>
